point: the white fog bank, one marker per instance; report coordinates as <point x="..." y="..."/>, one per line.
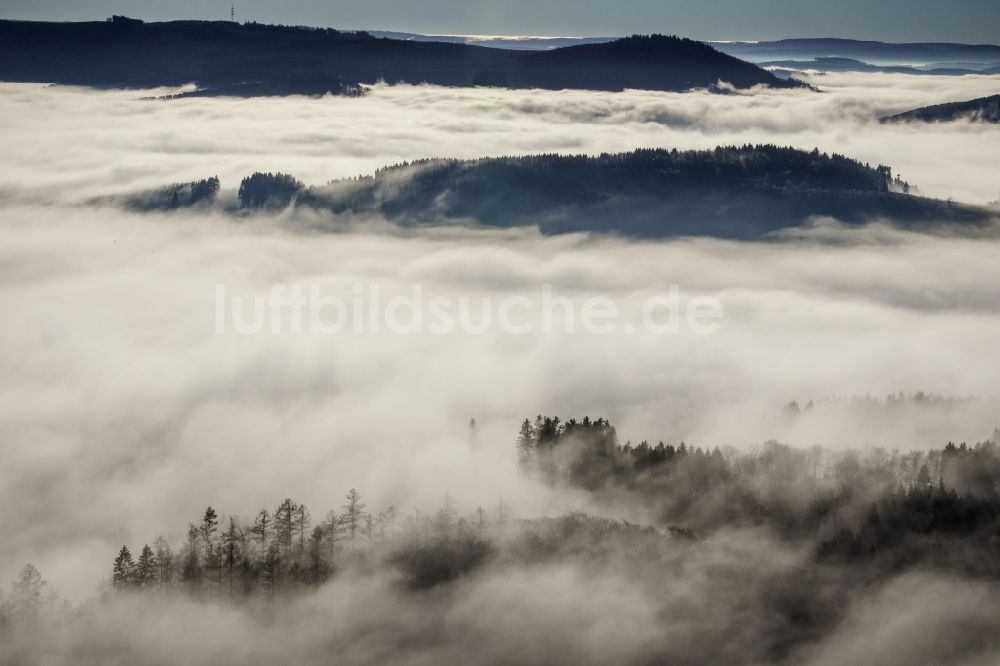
<point x="122" y="408"/>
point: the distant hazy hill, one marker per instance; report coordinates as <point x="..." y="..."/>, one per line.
<point x="499" y="42"/>
<point x="223" y="54"/>
<point x="834" y="64"/>
<point x="313" y="84"/>
<point x="936" y="55"/>
<point x="732" y="192"/>
<point x="983" y="109"/>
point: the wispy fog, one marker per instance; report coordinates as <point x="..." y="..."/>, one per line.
<point x="123" y="412"/>
<point x="120" y="401"/>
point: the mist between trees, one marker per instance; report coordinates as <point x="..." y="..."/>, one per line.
<point x="760" y="555"/>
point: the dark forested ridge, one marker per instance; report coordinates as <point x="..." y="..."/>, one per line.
<point x="730" y="192"/>
<point x="983" y="109"/>
<point x="219" y="54"/>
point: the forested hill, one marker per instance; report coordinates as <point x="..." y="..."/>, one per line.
<point x="983" y="109"/>
<point x="730" y="192"/>
<point x="130" y="53"/>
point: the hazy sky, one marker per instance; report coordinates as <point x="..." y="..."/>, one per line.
<point x="891" y="20"/>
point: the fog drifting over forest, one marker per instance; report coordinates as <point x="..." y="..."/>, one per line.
<point x="123" y="413"/>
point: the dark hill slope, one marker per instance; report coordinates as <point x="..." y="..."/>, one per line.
<point x="652" y="63"/>
<point x="731" y="192"/>
<point x="216" y="54"/>
<point x="983" y="109"/>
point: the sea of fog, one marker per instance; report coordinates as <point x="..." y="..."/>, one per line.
<point x="124" y="410"/>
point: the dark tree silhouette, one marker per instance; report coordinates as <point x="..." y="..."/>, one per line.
<point x="354" y="511"/>
<point x="146" y="569"/>
<point x="123" y="573"/>
<point x="268" y="190"/>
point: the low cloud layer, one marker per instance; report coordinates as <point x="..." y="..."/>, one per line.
<point x="80" y="143"/>
<point x="121" y="402"/>
<point x="122" y="408"/>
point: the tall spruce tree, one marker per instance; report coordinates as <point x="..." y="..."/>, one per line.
<point x="123" y="574"/>
<point x="526" y="447"/>
<point x="146" y="568"/>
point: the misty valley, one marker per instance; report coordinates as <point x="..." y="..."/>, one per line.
<point x="759" y="554"/>
<point x="718" y="383"/>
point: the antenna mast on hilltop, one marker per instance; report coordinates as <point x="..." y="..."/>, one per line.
<point x="232" y="13"/>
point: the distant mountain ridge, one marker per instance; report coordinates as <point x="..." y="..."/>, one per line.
<point x="954" y="56"/>
<point x="837" y="64"/>
<point x="913" y="54"/>
<point x="916" y="57"/>
<point x="526" y="43"/>
<point x="218" y="54"/>
<point x="820" y="54"/>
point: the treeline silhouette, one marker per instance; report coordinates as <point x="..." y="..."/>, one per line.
<point x="179" y="195"/>
<point x="286" y="549"/>
<point x="887" y="506"/>
<point x="888" y="402"/>
<point x="268" y="190"/>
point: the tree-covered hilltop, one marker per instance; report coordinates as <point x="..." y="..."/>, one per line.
<point x="731" y="191"/>
<point x="652" y="62"/>
<point x="982" y="109"/>
<point x="220" y="54"/>
<point x="743" y="192"/>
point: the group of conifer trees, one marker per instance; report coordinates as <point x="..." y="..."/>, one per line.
<point x="283" y="549"/>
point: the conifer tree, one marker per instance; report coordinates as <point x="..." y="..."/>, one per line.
<point x="353" y="513"/>
<point x="209" y="526"/>
<point x="191" y="571"/>
<point x="284" y="526"/>
<point x="146" y="568"/>
<point x="231" y="551"/>
<point x="123" y="574"/>
<point x="301" y="528"/>
<point x="526" y="447"/>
